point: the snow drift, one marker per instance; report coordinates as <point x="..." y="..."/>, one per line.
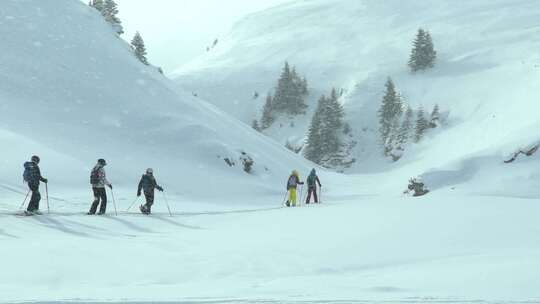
<point x="72" y="91"/>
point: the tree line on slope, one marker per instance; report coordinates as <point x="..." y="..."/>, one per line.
<point x="109" y="11"/>
<point x="398" y="125"/>
<point x="326" y="143"/>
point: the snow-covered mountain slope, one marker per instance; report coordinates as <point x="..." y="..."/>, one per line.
<point x="486" y="75"/>
<point x="71" y="91"/>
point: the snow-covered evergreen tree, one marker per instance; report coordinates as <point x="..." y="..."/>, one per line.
<point x="325" y="142"/>
<point x="268" y="116"/>
<point x="435" y="117"/>
<point x="140" y="49"/>
<point x="429" y="51"/>
<point x="99" y="5"/>
<point x="423" y="54"/>
<point x="110" y="13"/>
<point x="422" y="125"/>
<point x="313" y="150"/>
<point x="389" y="115"/>
<point x="289" y="96"/>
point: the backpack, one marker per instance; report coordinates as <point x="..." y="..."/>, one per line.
<point x="94" y="176"/>
<point x="311" y="180"/>
<point x="28" y="175"/>
<point x="291" y="183"/>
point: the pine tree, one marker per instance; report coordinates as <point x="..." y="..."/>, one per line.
<point x="267" y="117"/>
<point x="99" y="5"/>
<point x="110" y="12"/>
<point x="325" y="132"/>
<point x="423" y="54"/>
<point x="435" y="117"/>
<point x="313" y="150"/>
<point x="429" y="51"/>
<point x="288" y="97"/>
<point x="140" y="50"/>
<point x="421" y="125"/>
<point x="389" y="115"/>
<point x="333" y="125"/>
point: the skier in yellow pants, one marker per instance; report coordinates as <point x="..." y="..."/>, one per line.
<point x="292" y="184"/>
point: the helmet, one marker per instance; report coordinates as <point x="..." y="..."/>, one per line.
<point x="149" y="171"/>
<point x="295" y="173"/>
<point x="35" y="159"/>
<point x="102" y="162"/>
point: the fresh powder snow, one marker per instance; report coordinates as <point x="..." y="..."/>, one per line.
<point x="72" y="91"/>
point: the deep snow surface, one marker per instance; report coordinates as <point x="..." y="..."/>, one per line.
<point x="360" y="248"/>
<point x="71" y="91"/>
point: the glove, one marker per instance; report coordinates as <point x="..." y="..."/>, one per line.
<point x="160" y="189"/>
<point x="45" y="180"/>
<point x="110" y="186"/>
<point x="138" y="194"/>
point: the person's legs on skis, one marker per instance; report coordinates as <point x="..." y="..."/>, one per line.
<point x="95" y="203"/>
<point x="292" y="197"/>
<point x="103" y="198"/>
<point x="33" y="205"/>
<point x="311" y="191"/>
<point x="147" y="208"/>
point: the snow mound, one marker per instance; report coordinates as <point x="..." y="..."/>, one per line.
<point x="71" y="91"/>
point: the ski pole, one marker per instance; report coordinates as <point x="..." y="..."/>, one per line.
<point x="136" y="199"/>
<point x="320" y="194"/>
<point x="285" y="198"/>
<point x="25" y="198"/>
<point x="114" y="202"/>
<point x="167" y="202"/>
<point x="47" y="196"/>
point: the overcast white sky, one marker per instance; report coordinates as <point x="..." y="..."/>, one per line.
<point x="176" y="31"/>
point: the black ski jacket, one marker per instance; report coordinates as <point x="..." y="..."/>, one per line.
<point x="148" y="183"/>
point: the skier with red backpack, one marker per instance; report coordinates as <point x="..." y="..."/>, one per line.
<point x="98" y="180"/>
<point x="32" y="176"/>
<point x="312" y="182"/>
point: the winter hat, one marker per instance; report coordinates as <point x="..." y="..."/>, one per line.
<point x="149" y="171"/>
<point x="35" y="159"/>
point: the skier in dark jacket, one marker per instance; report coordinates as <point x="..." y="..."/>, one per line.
<point x="312" y="182"/>
<point x="32" y="175"/>
<point x="98" y="180"/>
<point x="148" y="183"/>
